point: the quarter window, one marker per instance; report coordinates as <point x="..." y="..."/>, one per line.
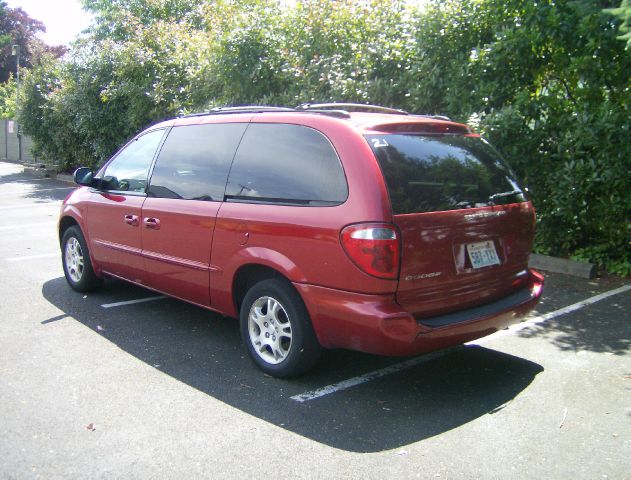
<point x="128" y="171"/>
<point x="288" y="164"/>
<point x="194" y="161"/>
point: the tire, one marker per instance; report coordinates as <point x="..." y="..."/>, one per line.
<point x="277" y="330"/>
<point x="75" y="258"/>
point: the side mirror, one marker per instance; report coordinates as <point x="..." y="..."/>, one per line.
<point x="83" y="176"/>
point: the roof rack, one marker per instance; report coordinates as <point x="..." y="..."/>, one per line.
<point x="339" y="110"/>
<point x="350" y="107"/>
<point x="240" y="109"/>
<point x="434" y="117"/>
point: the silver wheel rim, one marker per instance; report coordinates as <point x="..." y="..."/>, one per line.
<point x="74" y="259"/>
<point x="270" y="330"/>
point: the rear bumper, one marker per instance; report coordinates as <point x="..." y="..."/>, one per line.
<point x="377" y="324"/>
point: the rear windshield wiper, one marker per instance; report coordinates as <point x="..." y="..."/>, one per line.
<point x="497" y="196"/>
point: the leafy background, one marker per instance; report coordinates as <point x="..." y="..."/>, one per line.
<point x="547" y="82"/>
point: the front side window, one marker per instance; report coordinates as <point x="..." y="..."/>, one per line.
<point x="428" y="173"/>
<point x="128" y="171"/>
<point x="286" y="164"/>
<point x="194" y="161"/>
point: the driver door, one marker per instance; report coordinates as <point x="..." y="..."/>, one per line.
<point x="115" y="209"/>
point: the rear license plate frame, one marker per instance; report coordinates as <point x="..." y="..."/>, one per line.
<point x="483" y="254"/>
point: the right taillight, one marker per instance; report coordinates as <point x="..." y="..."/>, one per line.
<point x="374" y="248"/>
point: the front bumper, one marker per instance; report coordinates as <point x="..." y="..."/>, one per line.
<point x="377" y="324"/>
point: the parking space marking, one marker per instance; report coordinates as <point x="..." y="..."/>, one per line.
<point x="37" y="190"/>
<point x="28" y="225"/>
<point x="132" y="302"/>
<point x="367" y="377"/>
<point x="550" y="315"/>
<point x="31" y="205"/>
<point x="32" y="257"/>
<point x="352" y="382"/>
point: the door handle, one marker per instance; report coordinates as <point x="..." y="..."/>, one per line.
<point x="131" y="220"/>
<point x="151" y="222"/>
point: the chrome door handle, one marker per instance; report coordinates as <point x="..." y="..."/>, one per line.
<point x="151" y="222"/>
<point x="131" y="220"/>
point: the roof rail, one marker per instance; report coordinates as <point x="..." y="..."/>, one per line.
<point x="240" y="109"/>
<point x="328" y="113"/>
<point x="350" y="107"/>
<point x="251" y="109"/>
<point x="433" y="117"/>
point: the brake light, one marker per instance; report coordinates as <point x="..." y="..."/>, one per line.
<point x="374" y="248"/>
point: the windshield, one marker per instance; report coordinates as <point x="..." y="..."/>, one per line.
<point x="443" y="172"/>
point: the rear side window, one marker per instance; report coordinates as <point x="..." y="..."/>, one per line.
<point x="287" y="164"/>
<point x="194" y="161"/>
<point x="426" y="173"/>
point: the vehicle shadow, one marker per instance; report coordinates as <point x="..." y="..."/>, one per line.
<point x="203" y="350"/>
<point x="604" y="329"/>
<point x="592" y="331"/>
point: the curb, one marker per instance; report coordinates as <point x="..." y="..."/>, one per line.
<point x="562" y="265"/>
<point x="64" y="177"/>
<point x="47" y="171"/>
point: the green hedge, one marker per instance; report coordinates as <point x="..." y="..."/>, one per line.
<point x="547" y="82"/>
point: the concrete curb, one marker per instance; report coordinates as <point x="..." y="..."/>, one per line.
<point x="562" y="265"/>
<point x="64" y="177"/>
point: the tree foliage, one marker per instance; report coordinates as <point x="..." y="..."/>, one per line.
<point x="546" y="81"/>
<point x="623" y="12"/>
<point x="17" y="28"/>
<point x="8" y="96"/>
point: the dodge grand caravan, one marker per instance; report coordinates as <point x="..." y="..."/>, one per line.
<point x="324" y="226"/>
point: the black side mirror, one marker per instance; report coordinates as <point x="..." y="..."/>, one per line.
<point x="83" y="176"/>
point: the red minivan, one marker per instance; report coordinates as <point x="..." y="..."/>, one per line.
<point x="324" y="226"/>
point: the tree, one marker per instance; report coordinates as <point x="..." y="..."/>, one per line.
<point x="623" y="12"/>
<point x="546" y="81"/>
<point x="8" y="91"/>
<point x="17" y="28"/>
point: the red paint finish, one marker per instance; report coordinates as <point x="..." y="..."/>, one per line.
<point x="436" y="273"/>
<point x="378" y="324"/>
<point x="177" y="254"/>
<point x="115" y="242"/>
<point x="193" y="250"/>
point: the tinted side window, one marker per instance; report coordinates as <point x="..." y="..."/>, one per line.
<point x="194" y="161"/>
<point x="129" y="169"/>
<point x="286" y="164"/>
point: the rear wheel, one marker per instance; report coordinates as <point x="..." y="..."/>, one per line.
<point x="276" y="329"/>
<point x="75" y="258"/>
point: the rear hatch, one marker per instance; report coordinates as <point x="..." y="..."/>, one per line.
<point x="466" y="225"/>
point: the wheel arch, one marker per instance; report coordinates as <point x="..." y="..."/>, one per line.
<point x="248" y="275"/>
<point x="65" y="223"/>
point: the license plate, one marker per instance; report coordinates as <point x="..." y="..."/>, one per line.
<point x="482" y="254"/>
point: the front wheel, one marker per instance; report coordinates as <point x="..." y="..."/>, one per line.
<point x="75" y="258"/>
<point x="276" y="329"/>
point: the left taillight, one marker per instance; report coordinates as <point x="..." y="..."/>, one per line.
<point x="374" y="247"/>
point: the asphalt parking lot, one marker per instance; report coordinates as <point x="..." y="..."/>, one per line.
<point x="123" y="383"/>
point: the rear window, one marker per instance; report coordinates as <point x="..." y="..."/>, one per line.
<point x="286" y="164"/>
<point x="428" y="173"/>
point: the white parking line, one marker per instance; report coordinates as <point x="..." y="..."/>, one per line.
<point x="32" y="257"/>
<point x="31" y="205"/>
<point x="549" y="316"/>
<point x="352" y="382"/>
<point x="28" y="225"/>
<point x="37" y="190"/>
<point x="367" y="377"/>
<point x="132" y="302"/>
